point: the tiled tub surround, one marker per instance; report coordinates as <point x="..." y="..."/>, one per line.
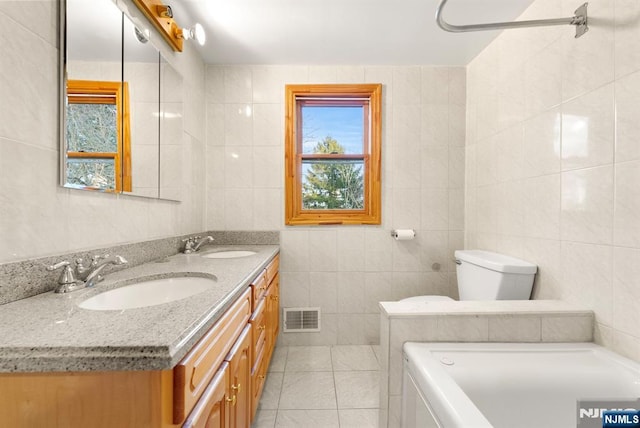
<point x="469" y="321"/>
<point x="49" y="332"/>
<point x="553" y="160"/>
<point x="19" y="280"/>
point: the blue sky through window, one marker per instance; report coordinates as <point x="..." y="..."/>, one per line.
<point x="344" y="124"/>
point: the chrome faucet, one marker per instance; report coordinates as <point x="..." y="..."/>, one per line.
<point x="193" y="244"/>
<point x="188" y="245"/>
<point x="67" y="281"/>
<point x="199" y="242"/>
<point x="91" y="274"/>
<point x="94" y="276"/>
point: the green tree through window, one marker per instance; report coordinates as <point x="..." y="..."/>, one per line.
<point x="332" y="184"/>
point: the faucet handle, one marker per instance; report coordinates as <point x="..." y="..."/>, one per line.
<point x="189" y="243"/>
<point x="58" y="265"/>
<point x="67" y="276"/>
<point x="98" y="257"/>
<point x="80" y="266"/>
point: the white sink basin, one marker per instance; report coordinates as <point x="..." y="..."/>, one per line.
<point x="148" y="293"/>
<point x="228" y="254"/>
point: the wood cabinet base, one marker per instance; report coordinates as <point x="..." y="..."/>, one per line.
<point x="133" y="399"/>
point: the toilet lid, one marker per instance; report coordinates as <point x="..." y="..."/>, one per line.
<point x="427" y="299"/>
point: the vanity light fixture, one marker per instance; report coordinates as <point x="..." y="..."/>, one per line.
<point x="164" y="11"/>
<point x="142" y="35"/>
<point x="161" y="16"/>
<point x="194" y="33"/>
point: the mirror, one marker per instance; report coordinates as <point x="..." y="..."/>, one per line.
<point x="113" y="117"/>
<point x="93" y="106"/>
<point x="171" y="127"/>
<point x="141" y="73"/>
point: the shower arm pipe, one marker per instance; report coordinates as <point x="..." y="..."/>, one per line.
<point x="579" y="20"/>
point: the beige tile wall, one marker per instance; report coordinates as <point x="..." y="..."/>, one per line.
<point x="345" y="271"/>
<point x="38" y="218"/>
<point x="553" y="160"/>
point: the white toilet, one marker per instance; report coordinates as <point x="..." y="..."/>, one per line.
<point x="483" y="275"/>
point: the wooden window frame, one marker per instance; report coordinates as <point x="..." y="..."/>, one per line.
<point x="102" y="92"/>
<point x="333" y="95"/>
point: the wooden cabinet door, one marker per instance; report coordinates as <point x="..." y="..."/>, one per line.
<point x="212" y="410"/>
<point x="272" y="314"/>
<point x="239" y="359"/>
<point x="275" y="297"/>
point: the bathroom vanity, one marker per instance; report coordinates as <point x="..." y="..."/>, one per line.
<point x="195" y="362"/>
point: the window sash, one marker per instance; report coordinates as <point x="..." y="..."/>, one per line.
<point x="367" y="96"/>
<point x="333" y="102"/>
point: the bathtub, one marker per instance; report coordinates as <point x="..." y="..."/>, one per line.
<point x="512" y="385"/>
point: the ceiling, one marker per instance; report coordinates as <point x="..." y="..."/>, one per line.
<point x="334" y="32"/>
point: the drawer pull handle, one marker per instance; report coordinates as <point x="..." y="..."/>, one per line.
<point x="262" y="327"/>
<point x="236" y="387"/>
<point x="261" y="376"/>
<point x="274" y="298"/>
<point x="232" y="400"/>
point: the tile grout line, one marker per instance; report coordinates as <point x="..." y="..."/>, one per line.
<point x="284" y="371"/>
<point x="335" y="389"/>
<point x="332" y="352"/>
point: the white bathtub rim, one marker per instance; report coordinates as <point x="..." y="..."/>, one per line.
<point x="441" y="390"/>
<point x="433" y="382"/>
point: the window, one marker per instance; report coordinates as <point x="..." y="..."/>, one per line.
<point x="98" y="136"/>
<point x="332" y="154"/>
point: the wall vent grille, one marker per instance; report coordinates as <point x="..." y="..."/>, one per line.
<point x="301" y="319"/>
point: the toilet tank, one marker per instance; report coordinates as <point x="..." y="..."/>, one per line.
<point x="483" y="275"/>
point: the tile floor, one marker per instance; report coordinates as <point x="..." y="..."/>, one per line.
<point x="321" y="386"/>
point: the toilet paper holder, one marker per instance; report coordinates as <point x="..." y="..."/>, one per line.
<point x="403" y="234"/>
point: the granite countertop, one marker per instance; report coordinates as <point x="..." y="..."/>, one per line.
<point x="49" y="332"/>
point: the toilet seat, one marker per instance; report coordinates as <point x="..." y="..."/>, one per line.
<point x="425" y="299"/>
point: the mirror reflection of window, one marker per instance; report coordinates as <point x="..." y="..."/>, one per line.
<point x="104" y="45"/>
<point x="98" y="136"/>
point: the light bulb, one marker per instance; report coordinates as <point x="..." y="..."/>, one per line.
<point x="196" y="33"/>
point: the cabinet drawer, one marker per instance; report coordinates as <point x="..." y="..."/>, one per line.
<point x="258" y="331"/>
<point x="212" y="409"/>
<point x="258" y="288"/>
<point x="258" y="377"/>
<point x="272" y="310"/>
<point x="272" y="269"/>
<point x="258" y="351"/>
<point x="194" y="372"/>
